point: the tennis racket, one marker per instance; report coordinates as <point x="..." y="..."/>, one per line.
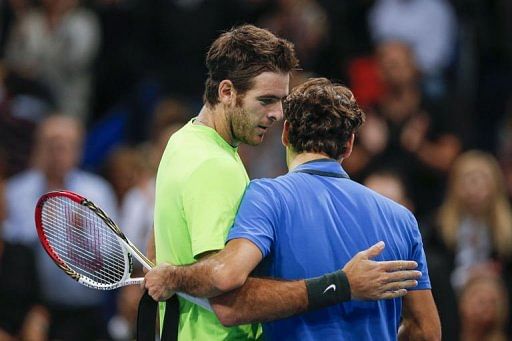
<point x="87" y="245"/>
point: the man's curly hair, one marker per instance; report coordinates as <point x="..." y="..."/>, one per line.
<point x="322" y="117"/>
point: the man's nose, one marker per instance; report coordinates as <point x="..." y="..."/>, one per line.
<point x="276" y="112"/>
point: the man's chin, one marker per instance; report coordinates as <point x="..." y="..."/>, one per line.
<point x="254" y="141"/>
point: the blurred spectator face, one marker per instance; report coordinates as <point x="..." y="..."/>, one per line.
<point x="483" y="303"/>
<point x="475" y="185"/>
<point x="122" y="170"/>
<point x="58" y="145"/>
<point x="396" y="64"/>
<point x="389" y="186"/>
<point x="169" y="111"/>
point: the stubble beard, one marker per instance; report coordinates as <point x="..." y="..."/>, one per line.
<point x="242" y="129"/>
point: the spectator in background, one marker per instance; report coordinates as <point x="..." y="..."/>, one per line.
<point x="404" y="130"/>
<point x="122" y="170"/>
<point x="473" y="226"/>
<point x="305" y="23"/>
<point x="56" y="44"/>
<point x="23" y="104"/>
<point x="18" y="284"/>
<point x="75" y="312"/>
<point x="483" y="308"/>
<point x="475" y="220"/>
<point x="429" y="26"/>
<point x="391" y="185"/>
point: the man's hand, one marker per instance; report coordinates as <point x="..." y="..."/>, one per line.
<point x="372" y="280"/>
<point x="156" y="282"/>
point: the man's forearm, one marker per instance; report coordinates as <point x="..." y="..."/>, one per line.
<point x="260" y="300"/>
<point x="409" y="330"/>
<point x="201" y="279"/>
<point x="420" y="320"/>
<point x="215" y="273"/>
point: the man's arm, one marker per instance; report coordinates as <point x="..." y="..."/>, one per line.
<point x="258" y="299"/>
<point x="420" y="318"/>
<point x="214" y="274"/>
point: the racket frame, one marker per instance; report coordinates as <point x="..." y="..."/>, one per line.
<point x="128" y="248"/>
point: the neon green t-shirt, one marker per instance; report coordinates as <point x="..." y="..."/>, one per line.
<point x="199" y="186"/>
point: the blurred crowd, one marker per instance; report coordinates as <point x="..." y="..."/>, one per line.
<point x="90" y="92"/>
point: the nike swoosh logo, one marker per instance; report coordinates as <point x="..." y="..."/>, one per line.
<point x="332" y="286"/>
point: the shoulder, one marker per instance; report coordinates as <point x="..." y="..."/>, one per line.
<point x="217" y="173"/>
<point x="219" y="168"/>
<point x="271" y="186"/>
<point x="378" y="201"/>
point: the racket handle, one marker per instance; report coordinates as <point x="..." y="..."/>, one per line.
<point x="134" y="281"/>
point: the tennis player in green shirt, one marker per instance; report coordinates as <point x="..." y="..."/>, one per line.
<point x="201" y="180"/>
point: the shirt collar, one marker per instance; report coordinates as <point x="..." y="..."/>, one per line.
<point x="322" y="165"/>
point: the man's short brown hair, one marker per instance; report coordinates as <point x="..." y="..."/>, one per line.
<point x="322" y="117"/>
<point x="243" y="53"/>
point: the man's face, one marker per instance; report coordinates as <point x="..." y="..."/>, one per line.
<point x="476" y="186"/>
<point x="396" y="63"/>
<point x="58" y="147"/>
<point x="260" y="107"/>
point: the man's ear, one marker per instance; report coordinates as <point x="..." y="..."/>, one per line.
<point x="226" y="92"/>
<point x="349" y="146"/>
<point x="284" y="135"/>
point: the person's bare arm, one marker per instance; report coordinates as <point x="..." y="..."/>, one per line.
<point x="420" y="318"/>
<point x="213" y="275"/>
<point x="260" y="300"/>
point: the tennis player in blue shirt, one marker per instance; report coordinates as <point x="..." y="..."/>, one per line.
<point x="310" y="222"/>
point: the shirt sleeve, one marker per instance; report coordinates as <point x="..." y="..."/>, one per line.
<point x="210" y="201"/>
<point x="418" y="255"/>
<point x="257" y="217"/>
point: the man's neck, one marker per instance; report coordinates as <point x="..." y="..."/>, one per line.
<point x="298" y="159"/>
<point x="216" y="119"/>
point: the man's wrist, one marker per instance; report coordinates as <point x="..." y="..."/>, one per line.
<point x="170" y="276"/>
<point x="327" y="290"/>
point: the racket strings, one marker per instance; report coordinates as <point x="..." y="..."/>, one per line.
<point x="80" y="250"/>
<point x="83" y="241"/>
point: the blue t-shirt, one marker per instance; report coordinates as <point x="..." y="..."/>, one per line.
<point x="307" y="225"/>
